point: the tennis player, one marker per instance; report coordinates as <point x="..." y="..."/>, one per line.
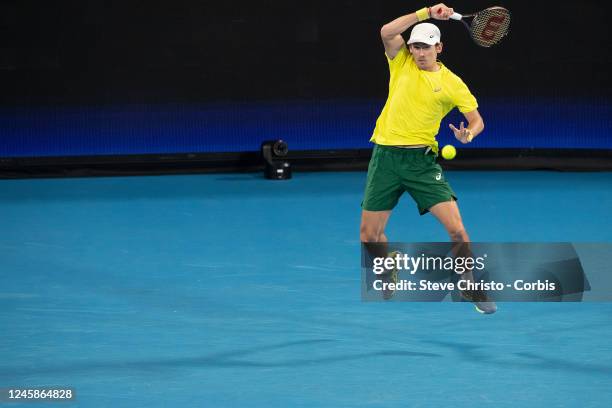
<point x="421" y="92"/>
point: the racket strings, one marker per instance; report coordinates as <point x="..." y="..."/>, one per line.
<point x="490" y="26"/>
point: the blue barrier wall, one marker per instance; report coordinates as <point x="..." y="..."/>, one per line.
<point x="341" y="124"/>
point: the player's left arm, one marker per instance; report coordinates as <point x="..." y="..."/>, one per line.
<point x="474" y="128"/>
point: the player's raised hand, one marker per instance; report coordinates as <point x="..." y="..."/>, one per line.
<point x="463" y="134"/>
<point x="440" y="12"/>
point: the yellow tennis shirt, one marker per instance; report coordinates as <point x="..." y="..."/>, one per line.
<point x="417" y="102"/>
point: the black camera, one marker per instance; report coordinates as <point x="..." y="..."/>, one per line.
<point x="276" y="166"/>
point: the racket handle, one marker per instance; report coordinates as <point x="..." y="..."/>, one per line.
<point x="456" y="16"/>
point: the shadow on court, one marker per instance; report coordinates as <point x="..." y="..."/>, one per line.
<point x="480" y="354"/>
<point x="217" y="360"/>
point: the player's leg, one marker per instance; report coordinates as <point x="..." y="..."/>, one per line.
<point x="373" y="225"/>
<point x="447" y="212"/>
<point x="449" y="216"/>
<point x="382" y="192"/>
<point x="372" y="232"/>
<point x="374" y="241"/>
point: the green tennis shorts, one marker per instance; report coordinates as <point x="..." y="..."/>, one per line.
<point x="393" y="170"/>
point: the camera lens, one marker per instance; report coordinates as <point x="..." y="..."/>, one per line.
<point x="280" y="148"/>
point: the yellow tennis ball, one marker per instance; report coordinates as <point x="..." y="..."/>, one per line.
<point x="449" y="152"/>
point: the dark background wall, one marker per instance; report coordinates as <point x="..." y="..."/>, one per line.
<point x="68" y="68"/>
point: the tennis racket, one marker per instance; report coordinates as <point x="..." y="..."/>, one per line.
<point x="487" y="27"/>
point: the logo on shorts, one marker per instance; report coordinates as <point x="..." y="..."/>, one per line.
<point x="439" y="176"/>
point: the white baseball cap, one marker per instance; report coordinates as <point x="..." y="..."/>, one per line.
<point x="426" y="33"/>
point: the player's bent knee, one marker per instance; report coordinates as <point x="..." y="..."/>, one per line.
<point x="458" y="235"/>
<point x="369" y="234"/>
<point x="368" y="237"/>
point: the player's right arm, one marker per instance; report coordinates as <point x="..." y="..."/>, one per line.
<point x="391" y="33"/>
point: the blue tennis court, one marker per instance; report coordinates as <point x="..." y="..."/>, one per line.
<point x="229" y="290"/>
